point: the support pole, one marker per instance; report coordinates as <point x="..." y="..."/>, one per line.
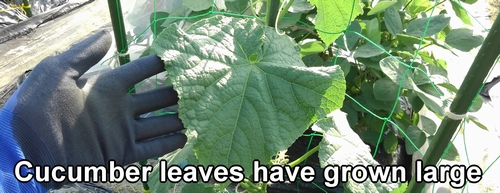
<point x="27" y="8"/>
<point x="115" y="11"/>
<point x="478" y="71"/>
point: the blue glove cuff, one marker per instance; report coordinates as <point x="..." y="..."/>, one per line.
<point x="11" y="153"/>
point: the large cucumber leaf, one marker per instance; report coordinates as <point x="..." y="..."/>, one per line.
<point x="244" y="88"/>
<point x="342" y="146"/>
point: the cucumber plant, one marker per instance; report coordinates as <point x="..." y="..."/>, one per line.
<point x="252" y="76"/>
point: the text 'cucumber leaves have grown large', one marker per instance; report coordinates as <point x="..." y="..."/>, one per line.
<point x="243" y="89"/>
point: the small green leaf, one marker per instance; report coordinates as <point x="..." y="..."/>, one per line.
<point x="416" y="136"/>
<point x="299" y="6"/>
<point x="311" y="48"/>
<point x="176" y="157"/>
<point x="460" y="12"/>
<point x="470" y="2"/>
<point x="395" y="71"/>
<point x="237" y="6"/>
<point x="333" y="17"/>
<point x="393" y="21"/>
<point x="369" y="136"/>
<point x="390" y="143"/>
<point x="160" y="17"/>
<point x="197" y="187"/>
<point x="368" y="50"/>
<point x="381" y="5"/>
<point x="433" y="103"/>
<point x="463" y="39"/>
<point x="415" y="101"/>
<point x="290" y="19"/>
<point x="477" y="122"/>
<point x="428" y="125"/>
<point x="367" y="90"/>
<point x="342" y="146"/>
<point x="197" y="5"/>
<point x="373" y="31"/>
<point x="417" y="6"/>
<point x="476" y="104"/>
<point x="344" y="64"/>
<point x="385" y="90"/>
<point x="313" y="60"/>
<point x="436" y="24"/>
<point x="451" y="154"/>
<point x="351" y="37"/>
<point x="410" y="40"/>
<point x="401" y="189"/>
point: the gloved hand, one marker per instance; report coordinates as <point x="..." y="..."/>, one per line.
<point x="63" y="119"/>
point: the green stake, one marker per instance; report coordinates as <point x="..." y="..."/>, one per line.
<point x="478" y="71"/>
<point x="115" y="11"/>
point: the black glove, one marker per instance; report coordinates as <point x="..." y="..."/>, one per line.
<point x="63" y="119"/>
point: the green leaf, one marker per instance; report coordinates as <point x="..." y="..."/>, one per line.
<point x="416" y="136"/>
<point x="451" y="154"/>
<point x="401" y="189"/>
<point x="373" y="31"/>
<point x="197" y="187"/>
<point x="160" y="17"/>
<point x="180" y="12"/>
<point x="299" y="6"/>
<point x="237" y="6"/>
<point x="311" y="48"/>
<point x="395" y="71"/>
<point x="197" y="5"/>
<point x="463" y="39"/>
<point x="470" y="2"/>
<point x="290" y="19"/>
<point x="313" y="60"/>
<point x="437" y="23"/>
<point x="393" y="21"/>
<point x="245" y="109"/>
<point x="368" y="50"/>
<point x="342" y="146"/>
<point x="390" y="143"/>
<point x="385" y="90"/>
<point x="333" y="17"/>
<point x="415" y="101"/>
<point x="433" y="103"/>
<point x="417" y="6"/>
<point x="381" y="5"/>
<point x="476" y="121"/>
<point x="410" y="40"/>
<point x="351" y="37"/>
<point x="460" y="12"/>
<point x="344" y="64"/>
<point x="428" y="125"/>
<point x="177" y="157"/>
<point x="369" y="136"/>
<point x="367" y="90"/>
<point x="476" y="104"/>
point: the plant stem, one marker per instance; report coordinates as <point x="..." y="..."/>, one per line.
<point x="273" y="7"/>
<point x="473" y="80"/>
<point x="251" y="187"/>
<point x="304" y="157"/>
<point x="285" y="10"/>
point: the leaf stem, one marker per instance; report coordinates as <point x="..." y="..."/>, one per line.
<point x="304" y="157"/>
<point x="251" y="187"/>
